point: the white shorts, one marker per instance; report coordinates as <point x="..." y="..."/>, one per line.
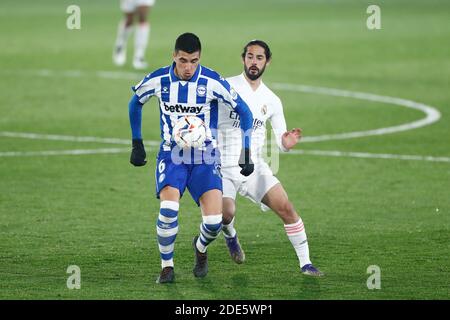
<point x="131" y="5"/>
<point x="253" y="187"/>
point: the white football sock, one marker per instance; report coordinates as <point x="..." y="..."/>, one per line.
<point x="123" y="34"/>
<point x="297" y="235"/>
<point x="228" y="229"/>
<point x="141" y="40"/>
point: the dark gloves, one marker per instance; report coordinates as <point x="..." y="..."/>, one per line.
<point x="245" y="162"/>
<point x="138" y="154"/>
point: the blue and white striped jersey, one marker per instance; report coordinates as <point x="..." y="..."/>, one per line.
<point x="199" y="96"/>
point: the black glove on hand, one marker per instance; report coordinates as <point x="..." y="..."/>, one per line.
<point x="245" y="162"/>
<point x="138" y="154"/>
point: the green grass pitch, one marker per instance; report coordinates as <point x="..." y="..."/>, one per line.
<point x="98" y="212"/>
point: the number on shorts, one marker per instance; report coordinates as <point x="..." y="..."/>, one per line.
<point x="161" y="166"/>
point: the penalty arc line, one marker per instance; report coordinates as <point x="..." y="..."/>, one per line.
<point x="431" y="113"/>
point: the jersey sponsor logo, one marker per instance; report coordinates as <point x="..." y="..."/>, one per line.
<point x="182" y="109"/>
<point x="236" y="123"/>
<point x="257" y="124"/>
<point x="201" y="90"/>
<point x="234" y="115"/>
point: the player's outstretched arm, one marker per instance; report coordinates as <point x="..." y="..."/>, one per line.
<point x="138" y="154"/>
<point x="290" y="138"/>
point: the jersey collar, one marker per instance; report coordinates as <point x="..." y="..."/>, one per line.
<point x="244" y="79"/>
<point x="174" y="78"/>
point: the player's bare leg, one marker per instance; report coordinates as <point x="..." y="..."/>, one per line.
<point x="167" y="229"/>
<point x="277" y="199"/>
<point x="211" y="206"/>
<point x="123" y="32"/>
<point x="141" y="37"/>
<point x="229" y="232"/>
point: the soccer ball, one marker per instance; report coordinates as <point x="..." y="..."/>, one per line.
<point x="189" y="132"/>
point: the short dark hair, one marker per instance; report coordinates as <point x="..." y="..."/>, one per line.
<point x="188" y="42"/>
<point x="258" y="43"/>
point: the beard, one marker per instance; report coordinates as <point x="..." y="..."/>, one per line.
<point x="253" y="72"/>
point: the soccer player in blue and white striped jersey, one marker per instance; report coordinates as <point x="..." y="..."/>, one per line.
<point x="188" y="88"/>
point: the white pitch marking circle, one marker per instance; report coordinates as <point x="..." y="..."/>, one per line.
<point x="432" y="114"/>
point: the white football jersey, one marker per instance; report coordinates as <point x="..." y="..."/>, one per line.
<point x="264" y="105"/>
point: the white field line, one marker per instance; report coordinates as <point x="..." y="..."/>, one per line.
<point x="327" y="153"/>
<point x="432" y="114"/>
<point x="367" y="155"/>
<point x="75" y="152"/>
<point x="55" y="137"/>
<point x="152" y="144"/>
<point x="120" y="75"/>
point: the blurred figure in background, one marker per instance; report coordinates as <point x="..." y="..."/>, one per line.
<point x="139" y="10"/>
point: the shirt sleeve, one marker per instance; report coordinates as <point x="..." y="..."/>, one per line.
<point x="145" y="89"/>
<point x="278" y="123"/>
<point x="135" y="116"/>
<point x="225" y="93"/>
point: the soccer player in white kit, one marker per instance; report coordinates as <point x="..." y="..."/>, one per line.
<point x="133" y="9"/>
<point x="261" y="186"/>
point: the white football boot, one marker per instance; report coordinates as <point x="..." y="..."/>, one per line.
<point x="119" y="56"/>
<point x="139" y="63"/>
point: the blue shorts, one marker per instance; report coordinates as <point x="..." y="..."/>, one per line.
<point x="198" y="178"/>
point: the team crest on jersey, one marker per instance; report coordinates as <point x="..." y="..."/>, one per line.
<point x="201" y="90"/>
<point x="264" y="109"/>
<point x="165" y="89"/>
